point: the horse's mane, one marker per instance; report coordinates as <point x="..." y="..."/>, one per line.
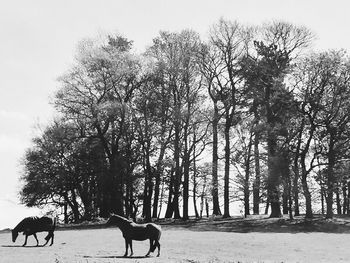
<point x="123" y="219"/>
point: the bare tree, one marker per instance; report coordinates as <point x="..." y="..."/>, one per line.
<point x="228" y="42"/>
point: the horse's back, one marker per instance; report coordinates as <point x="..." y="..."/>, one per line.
<point x="142" y="231"/>
<point x="35" y="224"/>
<point x="47" y="222"/>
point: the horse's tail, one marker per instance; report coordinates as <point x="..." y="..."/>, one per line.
<point x="158" y="233"/>
<point x="154" y="245"/>
<point x="54" y="223"/>
<point x="51" y="229"/>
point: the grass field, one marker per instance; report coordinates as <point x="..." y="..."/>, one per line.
<point x="186" y="243"/>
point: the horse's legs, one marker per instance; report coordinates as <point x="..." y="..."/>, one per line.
<point x="150" y="247"/>
<point x="47" y="238"/>
<point x="25" y="241"/>
<point x="158" y="245"/>
<point x="132" y="252"/>
<point x="36" y="238"/>
<point x="52" y="236"/>
<point x="126" y="248"/>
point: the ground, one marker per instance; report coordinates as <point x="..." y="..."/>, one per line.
<point x="235" y="240"/>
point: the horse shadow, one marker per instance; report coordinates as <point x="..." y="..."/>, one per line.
<point x="30" y="246"/>
<point x="116" y="257"/>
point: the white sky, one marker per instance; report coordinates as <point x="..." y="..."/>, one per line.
<point x="39" y="37"/>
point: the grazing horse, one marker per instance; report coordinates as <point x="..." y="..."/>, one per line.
<point x="32" y="225"/>
<point x="132" y="231"/>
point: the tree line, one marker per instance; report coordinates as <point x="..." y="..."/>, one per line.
<point x="249" y="114"/>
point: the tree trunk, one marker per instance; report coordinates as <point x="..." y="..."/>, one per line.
<point x="75" y="206"/>
<point x="246" y="193"/>
<point x="290" y="200"/>
<point x="186" y="173"/>
<point x="273" y="179"/>
<point x="296" y="188"/>
<point x="285" y="199"/>
<point x="246" y="179"/>
<point x="177" y="179"/>
<point x="161" y="200"/>
<point x="65" y="212"/>
<point x="275" y="207"/>
<point x="273" y="173"/>
<point x="207" y="207"/>
<point x="202" y="197"/>
<point x="156" y="192"/>
<point x="116" y="184"/>
<point x="330" y="180"/>
<point x="307" y="194"/>
<point x="345" y="198"/>
<point x="195" y="181"/>
<point x="129" y="197"/>
<point x="201" y="206"/>
<point x="227" y="170"/>
<point x="267" y="206"/>
<point x="288" y="209"/>
<point x="158" y="172"/>
<point x="103" y="194"/>
<point x="215" y="190"/>
<point x="338" y="201"/>
<point x="170" y="209"/>
<point x="348" y="202"/>
<point x="148" y="190"/>
<point x="256" y="185"/>
<point x="322" y="200"/>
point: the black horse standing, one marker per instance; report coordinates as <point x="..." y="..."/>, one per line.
<point x="132" y="231"/>
<point x="32" y="225"/>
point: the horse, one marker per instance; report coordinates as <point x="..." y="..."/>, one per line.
<point x="132" y="231"/>
<point x="32" y="225"/>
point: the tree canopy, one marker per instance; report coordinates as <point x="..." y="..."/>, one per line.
<point x="248" y="116"/>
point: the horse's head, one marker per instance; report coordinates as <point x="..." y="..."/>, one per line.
<point x="14" y="235"/>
